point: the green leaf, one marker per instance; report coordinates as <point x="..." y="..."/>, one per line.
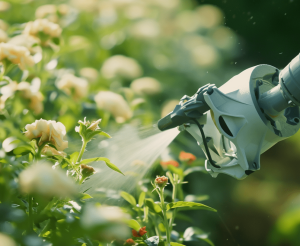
<point x="146" y="213"/>
<point x="153" y="207"/>
<point x="170" y="176"/>
<point x="129" y="198"/>
<point x="134" y="225"/>
<point x="193" y="169"/>
<point x="23" y="150"/>
<point x="106" y="160"/>
<point x="86" y="161"/>
<point x="141" y="199"/>
<point x="84" y="196"/>
<point x="176" y="244"/>
<point x="189" y="205"/>
<point x="73" y="157"/>
<point x="113" y="167"/>
<point x="104" y="134"/>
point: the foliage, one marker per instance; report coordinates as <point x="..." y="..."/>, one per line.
<point x="112" y="60"/>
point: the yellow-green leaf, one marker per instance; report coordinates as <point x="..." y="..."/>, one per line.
<point x="141" y="199"/>
<point x="129" y="198"/>
<point x="189" y="205"/>
<point x="134" y="225"/>
<point x="176" y="244"/>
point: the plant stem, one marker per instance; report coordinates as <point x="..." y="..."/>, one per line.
<point x="162" y="200"/>
<point x="175" y="186"/>
<point x="30" y="218"/>
<point x="84" y="143"/>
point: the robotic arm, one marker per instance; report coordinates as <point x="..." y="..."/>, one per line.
<point x="237" y="122"/>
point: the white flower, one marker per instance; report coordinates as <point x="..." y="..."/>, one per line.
<point x="42" y="179"/>
<point x="111" y="220"/>
<point x="27" y="91"/>
<point x="7" y="91"/>
<point x="48" y="131"/>
<point x="224" y="38"/>
<point x="6" y="240"/>
<point x="115" y="104"/>
<point x="45" y="26"/>
<point x="146" y="86"/>
<point x="16" y="54"/>
<point x="87" y="5"/>
<point x="72" y="85"/>
<point x="47" y="11"/>
<point x="89" y="73"/>
<point x="147" y="28"/>
<point x="4" y="6"/>
<point x="3" y="25"/>
<point x="3" y="36"/>
<point x="209" y="16"/>
<point x="121" y="66"/>
<point x="205" y="55"/>
<point x="49" y="151"/>
<point x="26" y="41"/>
<point x="36" y="98"/>
<point x="50" y="11"/>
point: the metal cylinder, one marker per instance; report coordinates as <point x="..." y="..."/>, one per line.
<point x="287" y="93"/>
<point x="290" y="80"/>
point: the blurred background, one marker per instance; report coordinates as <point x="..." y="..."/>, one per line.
<point x="151" y="53"/>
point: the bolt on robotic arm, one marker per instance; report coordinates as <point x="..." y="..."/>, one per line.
<point x="237" y="122"/>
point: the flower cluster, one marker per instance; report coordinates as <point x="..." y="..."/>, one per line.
<point x="72" y="85"/>
<point x="27" y="91"/>
<point x="42" y="179"/>
<point x="47" y="132"/>
<point x="42" y="29"/>
<point x="18" y="55"/>
<point x="115" y="104"/>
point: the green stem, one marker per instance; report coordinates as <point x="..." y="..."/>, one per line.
<point x="84" y="143"/>
<point x="30" y="217"/>
<point x="162" y="200"/>
<point x="175" y="186"/>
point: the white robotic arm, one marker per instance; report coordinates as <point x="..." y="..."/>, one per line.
<point x="242" y="119"/>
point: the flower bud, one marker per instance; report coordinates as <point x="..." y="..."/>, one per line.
<point x="188" y="157"/>
<point x="161" y="182"/>
<point x="129" y="241"/>
<point x="164" y="164"/>
<point x="140" y="233"/>
<point x="86" y="170"/>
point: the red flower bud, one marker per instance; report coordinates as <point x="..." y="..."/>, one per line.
<point x="129" y="242"/>
<point x="164" y="164"/>
<point x="188" y="157"/>
<point x="140" y="233"/>
<point x="161" y="182"/>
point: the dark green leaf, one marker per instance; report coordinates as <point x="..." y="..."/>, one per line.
<point x="129" y="198"/>
<point x="189" y="205"/>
